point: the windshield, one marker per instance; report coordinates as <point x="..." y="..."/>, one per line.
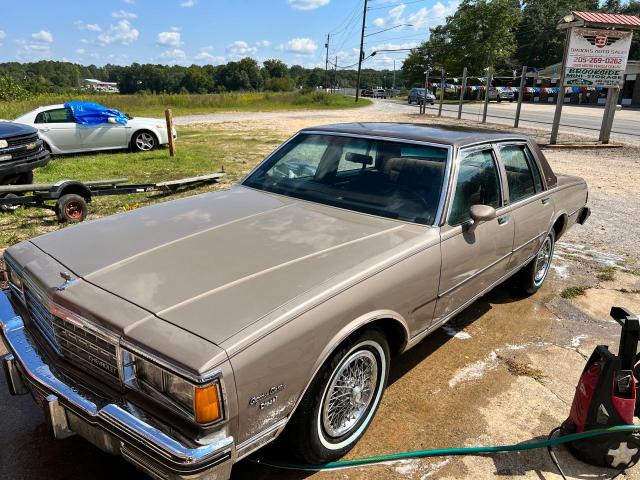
<point x="391" y="179"/>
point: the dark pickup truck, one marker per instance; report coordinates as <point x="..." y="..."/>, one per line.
<point x="21" y="151"/>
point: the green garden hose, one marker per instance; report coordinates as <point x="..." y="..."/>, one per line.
<point x="450" y="451"/>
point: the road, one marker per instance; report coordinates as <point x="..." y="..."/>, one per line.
<point x="576" y="119"/>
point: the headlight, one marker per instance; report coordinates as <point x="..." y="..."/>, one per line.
<point x="201" y="403"/>
<point x="4" y="144"/>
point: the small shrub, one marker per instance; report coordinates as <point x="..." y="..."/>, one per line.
<point x="573" y="292"/>
<point x="606" y="274"/>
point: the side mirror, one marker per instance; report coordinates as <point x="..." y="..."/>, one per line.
<point x="481" y="213"/>
<point x="111" y="120"/>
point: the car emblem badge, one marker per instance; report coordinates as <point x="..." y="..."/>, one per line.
<point x="68" y="281"/>
<point x="31" y="146"/>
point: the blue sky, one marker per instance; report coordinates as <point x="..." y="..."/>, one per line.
<point x="212" y="31"/>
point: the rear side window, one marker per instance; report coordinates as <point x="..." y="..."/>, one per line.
<point x="523" y="177"/>
<point x="478" y="183"/>
<point x="57" y="115"/>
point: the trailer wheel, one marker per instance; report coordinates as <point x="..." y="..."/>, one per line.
<point x="9" y="208"/>
<point x="71" y="208"/>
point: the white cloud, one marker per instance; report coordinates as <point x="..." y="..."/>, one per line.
<point x="43" y="36"/>
<point x="307" y="4"/>
<point x="175" y="29"/>
<point x="92" y="27"/>
<point x="81" y="51"/>
<point x="169" y="38"/>
<point x="174" y="55"/>
<point x="425" y="17"/>
<point x="263" y="43"/>
<point x="300" y="46"/>
<point x="3" y="35"/>
<point x="124" y="14"/>
<point x="206" y="57"/>
<point x="240" y="47"/>
<point x="84" y="40"/>
<point x="188" y="3"/>
<point x="130" y="2"/>
<point x="122" y="32"/>
<point x="31" y="50"/>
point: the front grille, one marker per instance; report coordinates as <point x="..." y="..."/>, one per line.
<point x="41" y="317"/>
<point x="85" y="349"/>
<point x="80" y="346"/>
<point x="22" y="140"/>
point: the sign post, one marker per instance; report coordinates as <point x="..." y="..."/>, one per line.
<point x="596" y="58"/>
<point x="523" y="79"/>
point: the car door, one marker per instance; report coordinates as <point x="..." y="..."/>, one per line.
<point x="474" y="257"/>
<point x="529" y="203"/>
<point x="59" y="126"/>
<point x="104" y="135"/>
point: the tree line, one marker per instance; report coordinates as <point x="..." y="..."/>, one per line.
<point x="20" y="79"/>
<point x="503" y="34"/>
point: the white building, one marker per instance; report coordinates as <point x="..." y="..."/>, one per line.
<point x="100" y="86"/>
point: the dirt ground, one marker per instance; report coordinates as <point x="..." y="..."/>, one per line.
<point x="504" y="371"/>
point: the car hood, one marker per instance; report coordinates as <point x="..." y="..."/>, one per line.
<point x="10" y="129"/>
<point x="215" y="263"/>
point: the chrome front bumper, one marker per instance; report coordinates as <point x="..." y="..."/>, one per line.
<point x="70" y="410"/>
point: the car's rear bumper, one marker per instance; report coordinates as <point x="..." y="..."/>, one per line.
<point x="110" y="426"/>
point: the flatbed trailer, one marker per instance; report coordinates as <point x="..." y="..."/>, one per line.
<point x="69" y="199"/>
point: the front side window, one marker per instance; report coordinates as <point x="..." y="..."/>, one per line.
<point x="478" y="183"/>
<point x="522" y="175"/>
<point x="385" y="178"/>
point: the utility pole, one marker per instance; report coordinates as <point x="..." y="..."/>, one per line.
<point x="335" y="75"/>
<point x="360" y="58"/>
<point x="326" y="62"/>
<point x="394" y="76"/>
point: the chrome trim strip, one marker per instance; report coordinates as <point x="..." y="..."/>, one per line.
<point x="542" y="234"/>
<point x="479" y="272"/>
<point x="245" y="448"/>
<point x="111" y="417"/>
<point x="413" y="341"/>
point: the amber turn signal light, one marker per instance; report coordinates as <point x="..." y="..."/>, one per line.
<point x="207" y="404"/>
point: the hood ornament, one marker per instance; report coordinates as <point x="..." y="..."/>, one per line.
<point x="68" y="280"/>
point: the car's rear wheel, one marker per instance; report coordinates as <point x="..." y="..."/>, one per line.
<point x="144" y="141"/>
<point x="342" y="400"/>
<point x="533" y="275"/>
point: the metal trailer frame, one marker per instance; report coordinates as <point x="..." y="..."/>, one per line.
<point x="55" y="196"/>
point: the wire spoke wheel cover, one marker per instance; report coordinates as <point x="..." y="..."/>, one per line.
<point x="350" y="393"/>
<point x="543" y="260"/>
<point x="145" y="141"/>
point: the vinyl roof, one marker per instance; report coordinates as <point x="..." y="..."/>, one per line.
<point x="455" y="136"/>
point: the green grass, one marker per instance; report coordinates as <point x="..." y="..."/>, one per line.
<point x="201" y="150"/>
<point x="606" y="274"/>
<point x="573" y="292"/>
<point x="183" y="104"/>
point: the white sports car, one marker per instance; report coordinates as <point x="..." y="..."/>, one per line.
<point x="62" y="133"/>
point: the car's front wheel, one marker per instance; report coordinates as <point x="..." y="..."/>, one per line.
<point x="532" y="276"/>
<point x="342" y="400"/>
<point x="143" y="141"/>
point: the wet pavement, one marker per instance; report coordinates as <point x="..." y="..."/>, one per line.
<point x="504" y="371"/>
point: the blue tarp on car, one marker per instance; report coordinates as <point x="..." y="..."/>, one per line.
<point x="91" y="113"/>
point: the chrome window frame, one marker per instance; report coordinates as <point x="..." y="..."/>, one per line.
<point x="462" y="151"/>
<point x="445" y="181"/>
<point x="531" y="161"/>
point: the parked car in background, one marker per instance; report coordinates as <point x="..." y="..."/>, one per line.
<point x="21" y="151"/>
<point x="186" y="335"/>
<point x="61" y="132"/>
<point x="380" y="93"/>
<point x="499" y="94"/>
<point x="366" y="92"/>
<point x="417" y="95"/>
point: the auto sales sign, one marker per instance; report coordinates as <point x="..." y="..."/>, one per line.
<point x="597" y="58"/>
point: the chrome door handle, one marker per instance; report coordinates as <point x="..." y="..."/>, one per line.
<point x="503" y="220"/>
<point x="546" y="200"/>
